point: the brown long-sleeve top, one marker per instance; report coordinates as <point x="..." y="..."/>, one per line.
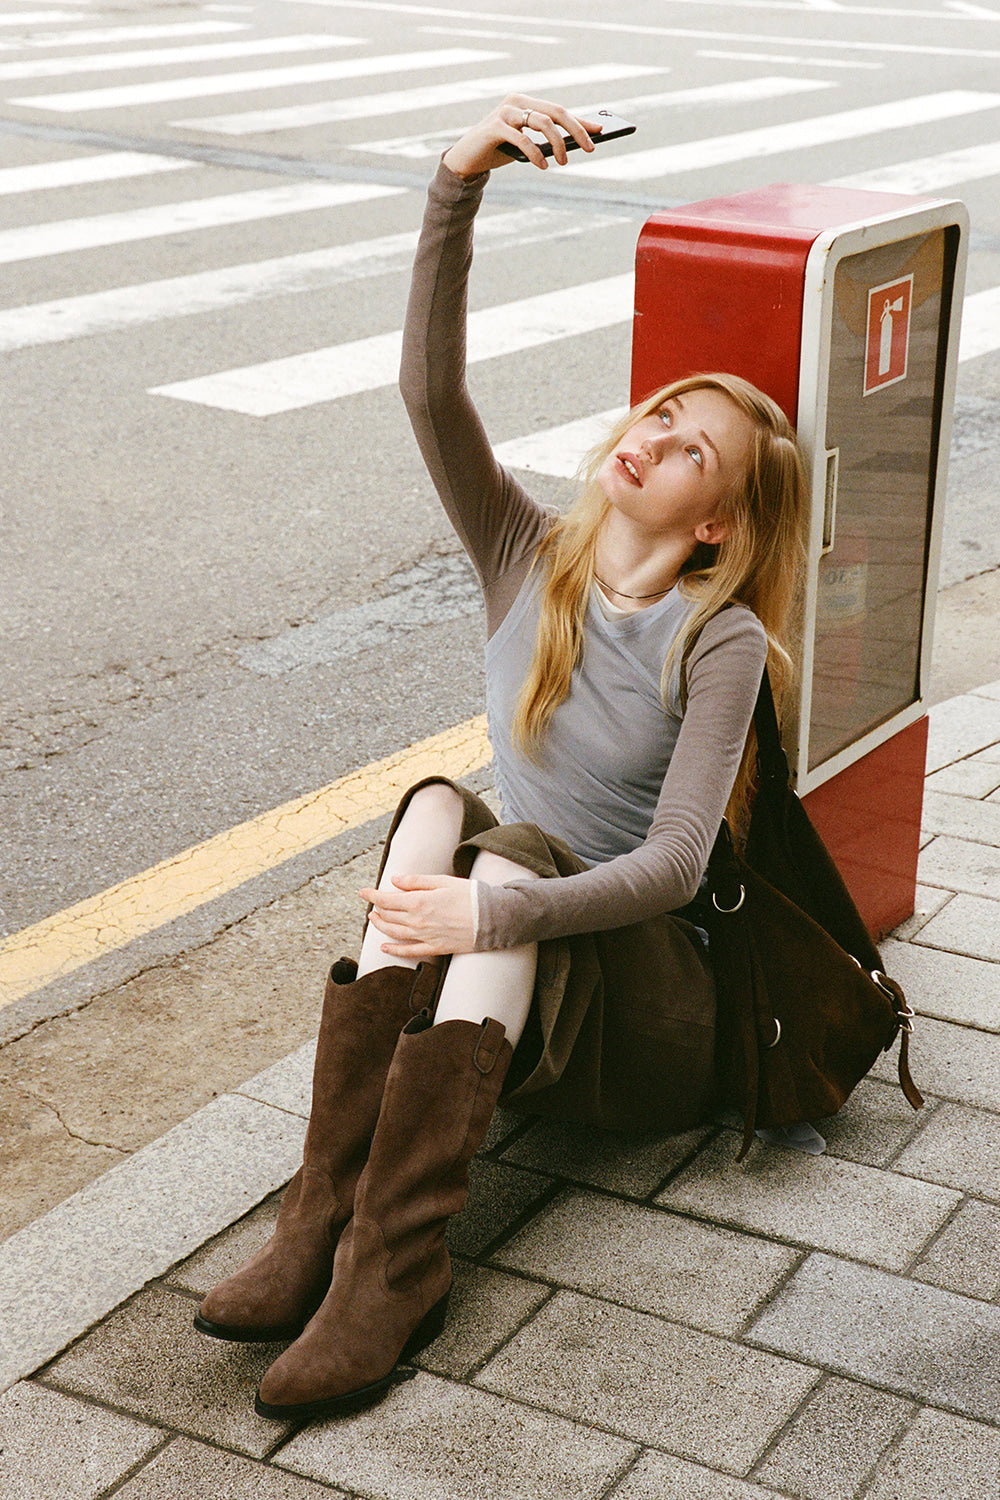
<point x="634" y="786"/>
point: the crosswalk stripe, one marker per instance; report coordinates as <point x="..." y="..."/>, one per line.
<point x="980" y="324"/>
<point x="210" y="291"/>
<point x="557" y="451"/>
<point x="928" y="173"/>
<point x="40" y="17"/>
<point x="744" y="90"/>
<point x="156" y="57"/>
<point x="403" y="101"/>
<point x="301" y="380"/>
<point x="87" y="169"/>
<point x="33" y="241"/>
<point x="267" y="78"/>
<point x="99" y="35"/>
<point x="795" y="135"/>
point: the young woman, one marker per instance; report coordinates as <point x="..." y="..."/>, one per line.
<point x="625" y="648"/>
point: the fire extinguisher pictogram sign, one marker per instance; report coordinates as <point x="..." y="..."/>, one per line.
<point x="887" y="348"/>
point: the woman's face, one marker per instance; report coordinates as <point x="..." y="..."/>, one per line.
<point x="672" y="469"/>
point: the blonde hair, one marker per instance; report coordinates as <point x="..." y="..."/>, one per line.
<point x="758" y="564"/>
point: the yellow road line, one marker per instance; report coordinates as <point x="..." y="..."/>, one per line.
<point x="63" y="943"/>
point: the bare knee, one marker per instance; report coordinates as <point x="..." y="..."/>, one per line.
<point x="494" y="869"/>
<point x="435" y="800"/>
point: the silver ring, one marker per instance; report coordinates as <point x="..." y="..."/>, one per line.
<point x="524" y="122"/>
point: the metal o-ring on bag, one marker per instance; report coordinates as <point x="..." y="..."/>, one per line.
<point x="726" y="909"/>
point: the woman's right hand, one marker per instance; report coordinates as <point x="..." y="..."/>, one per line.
<point x="477" y="150"/>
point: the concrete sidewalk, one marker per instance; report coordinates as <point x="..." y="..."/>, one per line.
<point x="643" y="1320"/>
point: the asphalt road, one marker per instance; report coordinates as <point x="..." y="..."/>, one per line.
<point x="161" y="555"/>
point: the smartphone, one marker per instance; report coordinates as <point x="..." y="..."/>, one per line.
<point x="614" y="126"/>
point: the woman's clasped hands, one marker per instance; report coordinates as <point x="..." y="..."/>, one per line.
<point x="423" y="916"/>
<point x="477" y="151"/>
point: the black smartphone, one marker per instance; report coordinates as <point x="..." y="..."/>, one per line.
<point x="613" y="127"/>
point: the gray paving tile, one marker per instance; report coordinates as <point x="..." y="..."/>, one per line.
<point x="57" y="1276"/>
<point x="812" y="1200"/>
<point x="873" y="1126"/>
<point x="147" y="1359"/>
<point x="989" y="690"/>
<point x="835" y="1441"/>
<point x="961" y="818"/>
<point x="228" y="1251"/>
<point x="941" y="1458"/>
<point x="966" y="778"/>
<point x="990" y="753"/>
<point x="889" y="1331"/>
<point x="959" y="1147"/>
<point x="633" y="1165"/>
<point x="964" y="1256"/>
<point x="651" y="1260"/>
<point x="647" y="1379"/>
<point x="432" y="1440"/>
<point x="928" y="901"/>
<point x="498" y="1195"/>
<point x="186" y="1470"/>
<point x="946" y="985"/>
<point x="959" y="865"/>
<point x="286" y="1084"/>
<point x="660" y="1476"/>
<point x="484" y="1308"/>
<point x="953" y="1062"/>
<point x="968" y="924"/>
<point x="959" y="728"/>
<point x="51" y="1445"/>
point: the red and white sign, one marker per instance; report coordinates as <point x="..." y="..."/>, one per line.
<point x="888" y="346"/>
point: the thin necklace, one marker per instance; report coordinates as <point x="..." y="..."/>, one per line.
<point x="655" y="595"/>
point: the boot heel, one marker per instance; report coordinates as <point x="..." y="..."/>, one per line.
<point x="427" y="1330"/>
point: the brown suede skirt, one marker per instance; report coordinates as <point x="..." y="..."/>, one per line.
<point x="621" y="1031"/>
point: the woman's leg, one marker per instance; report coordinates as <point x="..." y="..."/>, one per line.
<point x="498" y="984"/>
<point x="423" y="843"/>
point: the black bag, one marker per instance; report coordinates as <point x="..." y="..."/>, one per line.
<point x="804" y="1009"/>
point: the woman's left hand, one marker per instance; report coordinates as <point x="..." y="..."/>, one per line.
<point x="423" y="916"/>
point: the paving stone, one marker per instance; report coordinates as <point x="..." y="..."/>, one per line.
<point x="148" y="1359"/>
<point x="960" y="727"/>
<point x="886" y="1330"/>
<point x="484" y="1308"/>
<point x="959" y="1147"/>
<point x="812" y="1200"/>
<point x="989" y="754"/>
<point x="966" y="778"/>
<point x="953" y="1062"/>
<point x="928" y="901"/>
<point x="286" y="1084"/>
<point x="432" y="1440"/>
<point x="941" y="1458"/>
<point x="660" y="1476"/>
<point x="498" y="1195"/>
<point x="946" y="985"/>
<point x="961" y="817"/>
<point x="228" y="1251"/>
<point x="186" y="1470"/>
<point x="51" y="1445"/>
<point x="964" y="1256"/>
<point x="968" y="924"/>
<point x="835" y="1441"/>
<point x="651" y="1260"/>
<point x="698" y="1396"/>
<point x="873" y="1126"/>
<point x="959" y="865"/>
<point x="990" y="690"/>
<point x="633" y="1165"/>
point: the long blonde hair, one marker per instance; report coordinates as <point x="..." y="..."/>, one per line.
<point x="757" y="565"/>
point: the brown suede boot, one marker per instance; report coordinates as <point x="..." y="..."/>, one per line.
<point x="392" y="1272"/>
<point x="279" y="1289"/>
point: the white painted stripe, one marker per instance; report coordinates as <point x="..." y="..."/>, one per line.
<point x="928" y="173"/>
<point x="268" y="78"/>
<point x="742" y="90"/>
<point x="492" y="36"/>
<point x="211" y="291"/>
<point x="980" y="324"/>
<point x="26" y="18"/>
<point x="33" y="241"/>
<point x="403" y="101"/>
<point x="559" y="450"/>
<point x="86" y="169"/>
<point x="795" y="135"/>
<point x="301" y="380"/>
<point x="98" y="36"/>
<point x="784" y="57"/>
<point x="977" y="12"/>
<point x="110" y="62"/>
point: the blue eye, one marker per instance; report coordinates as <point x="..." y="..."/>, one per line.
<point x="698" y="457"/>
<point x="665" y="417"/>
